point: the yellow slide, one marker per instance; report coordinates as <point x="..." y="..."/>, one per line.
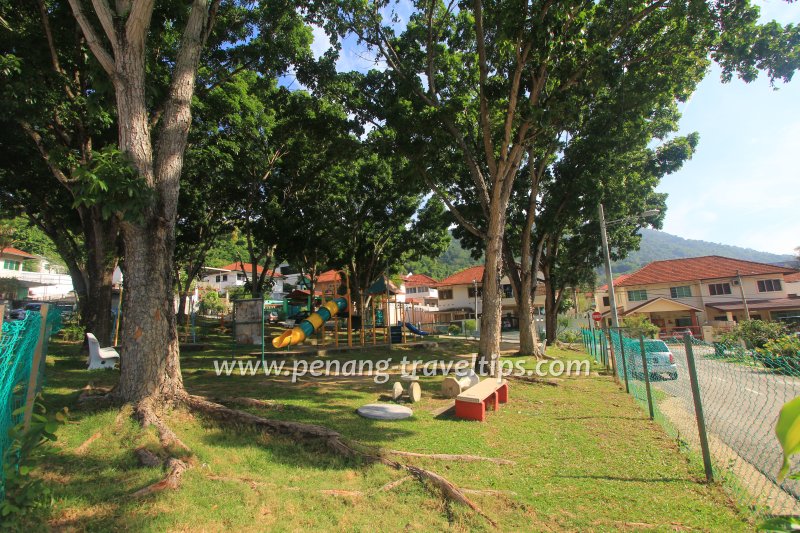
<point x="307" y="327"/>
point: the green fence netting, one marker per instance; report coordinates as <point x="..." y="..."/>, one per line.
<point x="741" y="394"/>
<point x="17" y="345"/>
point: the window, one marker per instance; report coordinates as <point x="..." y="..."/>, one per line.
<point x="446" y="294"/>
<point x="11" y="265"/>
<point x="782" y="315"/>
<point x="606" y="301"/>
<point x="240" y="277"/>
<point x="508" y="292"/>
<point x="683" y="322"/>
<point x="471" y="292"/>
<point x="721" y="318"/>
<point x="637" y="296"/>
<point x="718" y="289"/>
<point x="218" y="277"/>
<point x="683" y="291"/>
<point x="224" y="277"/>
<point x="769" y="285"/>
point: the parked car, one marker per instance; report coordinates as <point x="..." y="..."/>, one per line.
<point x="660" y="360"/>
<point x="19" y="314"/>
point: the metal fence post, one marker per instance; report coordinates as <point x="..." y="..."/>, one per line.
<point x="33" y="377"/>
<point x="611" y="358"/>
<point x="646" y="374"/>
<point x="622" y="356"/>
<point x="698" y="406"/>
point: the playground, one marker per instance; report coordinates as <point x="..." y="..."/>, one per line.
<point x="568" y="453"/>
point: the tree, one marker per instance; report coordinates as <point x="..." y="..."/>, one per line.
<point x="153" y="120"/>
<point x="486" y="82"/>
<point x="55" y="123"/>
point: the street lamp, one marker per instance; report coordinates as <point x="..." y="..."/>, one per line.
<point x="604" y="236"/>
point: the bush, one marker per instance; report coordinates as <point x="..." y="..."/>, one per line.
<point x="786" y="346"/>
<point x="755" y="333"/>
<point x="470" y="325"/>
<point x="637" y="325"/>
<point x="24" y="494"/>
<point x="570" y="336"/>
<point x="454" y="329"/>
<point x="211" y="303"/>
<point x="72" y="331"/>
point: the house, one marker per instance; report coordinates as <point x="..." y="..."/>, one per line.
<point x="237" y="274"/>
<point x="681" y="294"/>
<point x="24" y="275"/>
<point x="461" y="293"/>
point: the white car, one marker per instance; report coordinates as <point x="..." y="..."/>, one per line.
<point x="660" y="360"/>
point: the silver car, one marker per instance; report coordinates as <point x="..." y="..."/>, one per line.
<point x="660" y="360"/>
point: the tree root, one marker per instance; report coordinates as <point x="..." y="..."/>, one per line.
<point x="535" y="380"/>
<point x="394" y="484"/>
<point x="332" y="440"/>
<point x="249" y="402"/>
<point x="450" y="457"/>
<point x="80" y="450"/>
<point x="146" y="414"/>
<point x="172" y="480"/>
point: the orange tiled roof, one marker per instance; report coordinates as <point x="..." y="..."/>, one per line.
<point x="328" y="276"/>
<point x="465" y="277"/>
<point x="617" y="280"/>
<point x="15" y="251"/>
<point x="417" y="280"/>
<point x="698" y="268"/>
<point x="792" y="278"/>
<point x="248" y="268"/>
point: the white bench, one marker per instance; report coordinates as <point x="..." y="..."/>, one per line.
<point x="101" y="357"/>
<point x="472" y="403"/>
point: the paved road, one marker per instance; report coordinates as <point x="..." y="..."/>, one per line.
<point x="741" y="406"/>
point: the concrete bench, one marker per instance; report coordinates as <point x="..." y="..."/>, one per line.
<point x="473" y="402"/>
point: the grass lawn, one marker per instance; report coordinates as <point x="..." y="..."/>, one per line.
<point x="587" y="458"/>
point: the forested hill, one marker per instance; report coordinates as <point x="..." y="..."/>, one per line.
<point x="656" y="245"/>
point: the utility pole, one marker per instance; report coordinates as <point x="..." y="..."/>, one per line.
<point x="744" y="299"/>
<point x="475" y="289"/>
<point x="609" y="278"/>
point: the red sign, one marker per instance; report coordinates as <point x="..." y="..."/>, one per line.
<point x="596" y="316"/>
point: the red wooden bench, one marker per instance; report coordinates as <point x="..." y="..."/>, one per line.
<point x="473" y="402"/>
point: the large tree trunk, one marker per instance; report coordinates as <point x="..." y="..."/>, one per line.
<point x="150" y="367"/>
<point x="491" y="312"/>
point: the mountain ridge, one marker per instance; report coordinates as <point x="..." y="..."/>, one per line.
<point x="655" y="246"/>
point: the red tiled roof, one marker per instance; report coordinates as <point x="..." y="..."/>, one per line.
<point x="417" y="280"/>
<point x="14" y="251"/>
<point x="792" y="278"/>
<point x="328" y="277"/>
<point x="465" y="277"/>
<point x="698" y="268"/>
<point x="619" y="279"/>
<point x="248" y="268"/>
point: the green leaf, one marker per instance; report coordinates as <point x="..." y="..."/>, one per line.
<point x="781" y="523"/>
<point x="788" y="432"/>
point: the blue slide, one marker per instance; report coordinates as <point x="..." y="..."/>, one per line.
<point x="416" y="331"/>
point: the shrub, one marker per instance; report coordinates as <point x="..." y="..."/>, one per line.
<point x="72" y="331"/>
<point x="454" y="329"/>
<point x="569" y="336"/>
<point x="755" y="333"/>
<point x="786" y="346"/>
<point x="25" y="494"/>
<point x="637" y="325"/>
<point x="211" y="303"/>
<point x="470" y="325"/>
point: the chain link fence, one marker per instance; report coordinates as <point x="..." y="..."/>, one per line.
<point x="17" y="346"/>
<point x="731" y="402"/>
